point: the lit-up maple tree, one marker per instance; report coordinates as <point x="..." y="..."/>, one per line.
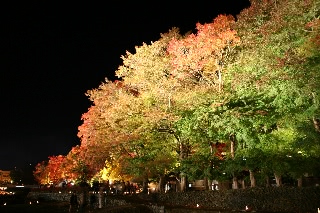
<point x="184" y="99"/>
<point x="41" y="173"/>
<point x="203" y="56"/>
<point x="50" y="172"/>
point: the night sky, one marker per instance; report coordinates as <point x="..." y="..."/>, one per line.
<point x="53" y="53"/>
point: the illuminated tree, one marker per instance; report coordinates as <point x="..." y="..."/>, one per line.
<point x="181" y="96"/>
<point x="109" y="134"/>
<point x="149" y="72"/>
<point x="274" y="62"/>
<point x="203" y="56"/>
<point x="270" y="95"/>
<point x="56" y="172"/>
<point x="41" y="173"/>
<point x="51" y="171"/>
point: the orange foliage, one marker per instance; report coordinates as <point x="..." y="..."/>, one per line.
<point x="55" y="170"/>
<point x="209" y="49"/>
<point x="52" y="171"/>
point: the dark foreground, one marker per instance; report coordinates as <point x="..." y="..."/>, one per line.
<point x="50" y="207"/>
<point x="63" y="207"/>
<point x="60" y="207"/>
<point x="259" y="200"/>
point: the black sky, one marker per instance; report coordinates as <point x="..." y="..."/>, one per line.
<point x="53" y="53"/>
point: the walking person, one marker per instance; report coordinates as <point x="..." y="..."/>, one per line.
<point x="100" y="197"/>
<point x="83" y="201"/>
<point x="92" y="200"/>
<point x="73" y="202"/>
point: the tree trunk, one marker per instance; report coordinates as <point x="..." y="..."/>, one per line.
<point x="183" y="183"/>
<point x="235" y="183"/>
<point x="161" y="184"/>
<point x="210" y="187"/>
<point x="183" y="155"/>
<point x="206" y="184"/>
<point x="243" y="184"/>
<point x="267" y="181"/>
<point x="252" y="178"/>
<point x="145" y="184"/>
<point x="278" y="179"/>
<point x="232" y="148"/>
<point x="316" y="123"/>
<point x="220" y="80"/>
<point x="299" y="182"/>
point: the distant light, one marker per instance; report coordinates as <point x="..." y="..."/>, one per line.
<point x="197" y="205"/>
<point x="30" y="203"/>
<point x="19" y="186"/>
<point x="6" y="204"/>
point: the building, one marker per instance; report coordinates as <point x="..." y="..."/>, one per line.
<point x="5" y="176"/>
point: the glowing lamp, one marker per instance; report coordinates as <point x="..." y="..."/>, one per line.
<point x="248" y="209"/>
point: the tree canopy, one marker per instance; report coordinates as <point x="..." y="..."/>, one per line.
<point x="238" y="97"/>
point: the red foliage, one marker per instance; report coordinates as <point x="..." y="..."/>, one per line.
<point x="128" y="89"/>
<point x="212" y="43"/>
<point x="220" y="149"/>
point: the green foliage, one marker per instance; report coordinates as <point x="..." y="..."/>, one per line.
<point x="83" y="173"/>
<point x="173" y="105"/>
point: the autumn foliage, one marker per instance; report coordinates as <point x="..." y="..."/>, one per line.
<point x="206" y="105"/>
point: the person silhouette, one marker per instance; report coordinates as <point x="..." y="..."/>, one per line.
<point x="73" y="202"/>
